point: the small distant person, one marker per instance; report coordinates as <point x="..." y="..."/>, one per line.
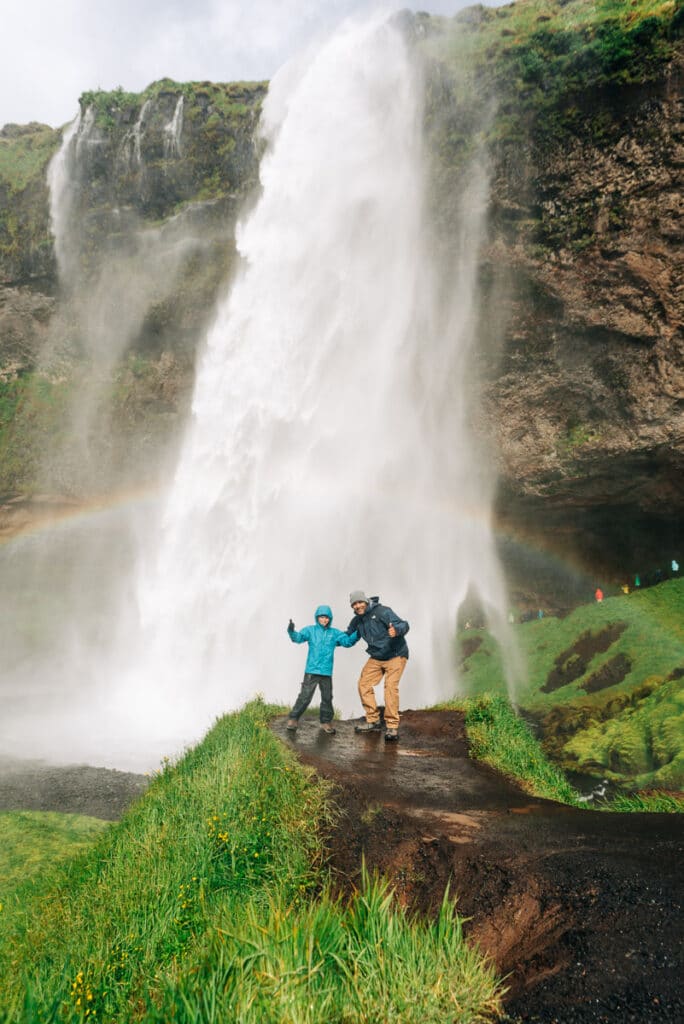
<point x="384" y="633"/>
<point x="674" y="565"/>
<point x="625" y="588"/>
<point x="540" y="613"/>
<point x="637" y="580"/>
<point x="598" y="594"/>
<point x="322" y="640"/>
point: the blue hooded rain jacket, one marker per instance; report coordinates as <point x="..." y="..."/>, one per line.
<point x="322" y="641"/>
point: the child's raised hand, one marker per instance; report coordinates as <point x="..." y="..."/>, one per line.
<point x="290" y="626"/>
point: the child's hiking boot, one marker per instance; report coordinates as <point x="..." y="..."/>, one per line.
<point x="291" y="725"/>
<point x="328" y="728"/>
<point x="368" y="727"/>
<point x="391" y="735"/>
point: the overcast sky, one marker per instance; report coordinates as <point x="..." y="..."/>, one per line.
<point x="53" y="50"/>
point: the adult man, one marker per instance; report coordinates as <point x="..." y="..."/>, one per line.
<point x="384" y="634"/>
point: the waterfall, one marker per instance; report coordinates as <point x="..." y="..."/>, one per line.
<point x="61" y="186"/>
<point x="329" y="446"/>
<point x="173" y="131"/>
<point x="130" y="150"/>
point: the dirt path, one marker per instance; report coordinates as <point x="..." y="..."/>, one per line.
<point x="581" y="908"/>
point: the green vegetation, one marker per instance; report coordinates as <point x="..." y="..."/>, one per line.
<point x="30" y="840"/>
<point x="503" y="740"/>
<point x="604" y="684"/>
<point x="208" y="902"/>
<point x="24" y="156"/>
<point x="24" y="237"/>
<point x="655" y="803"/>
<point x="539" y="57"/>
<point x="33" y="418"/>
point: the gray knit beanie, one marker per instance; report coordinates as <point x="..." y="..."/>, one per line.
<point x="357" y="595"/>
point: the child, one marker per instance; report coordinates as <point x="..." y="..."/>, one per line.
<point x="322" y="640"/>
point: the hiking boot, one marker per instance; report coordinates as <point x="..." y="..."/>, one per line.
<point x="291" y="725"/>
<point x="329" y="728"/>
<point x="368" y="727"/>
<point x="391" y="735"/>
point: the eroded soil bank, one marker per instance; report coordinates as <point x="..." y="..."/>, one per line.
<point x="582" y="909"/>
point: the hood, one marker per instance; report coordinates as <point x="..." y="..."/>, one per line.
<point x="323" y="609"/>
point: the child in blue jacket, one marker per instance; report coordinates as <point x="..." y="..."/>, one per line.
<point x="322" y="640"/>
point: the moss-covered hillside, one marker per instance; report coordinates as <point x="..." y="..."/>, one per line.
<point x="25" y="239"/>
<point x="605" y="684"/>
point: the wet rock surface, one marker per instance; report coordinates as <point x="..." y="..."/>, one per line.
<point x="72" y="789"/>
<point x="581" y="909"/>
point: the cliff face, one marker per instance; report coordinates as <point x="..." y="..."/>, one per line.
<point x="587" y="404"/>
<point x="175" y="153"/>
<point x="582" y="354"/>
<point x="107" y="282"/>
<point x="582" y="299"/>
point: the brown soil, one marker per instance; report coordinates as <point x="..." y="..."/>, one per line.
<point x="573" y="662"/>
<point x="610" y="674"/>
<point x="580" y="909"/>
<point x="468" y="646"/>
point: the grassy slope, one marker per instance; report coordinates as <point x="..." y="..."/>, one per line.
<point x="25" y="243"/>
<point x="33" y="841"/>
<point x="633" y="730"/>
<point x="208" y="902"/>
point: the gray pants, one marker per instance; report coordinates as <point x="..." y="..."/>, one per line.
<point x="309" y="684"/>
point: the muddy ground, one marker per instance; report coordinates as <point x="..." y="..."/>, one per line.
<point x="580" y="909"/>
<point x="71" y="789"/>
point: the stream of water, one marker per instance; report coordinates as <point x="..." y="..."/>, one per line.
<point x="329" y="446"/>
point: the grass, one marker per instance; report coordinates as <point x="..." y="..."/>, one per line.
<point x="500" y="738"/>
<point x="32" y="840"/>
<point x="539" y="56"/>
<point x="208" y="902"/>
<point x="631" y="731"/>
<point x="25" y="156"/>
<point x="657" y="803"/>
<point x="653" y="641"/>
<point x="33" y="420"/>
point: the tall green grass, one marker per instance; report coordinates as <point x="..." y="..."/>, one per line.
<point x="654" y="803"/>
<point x="366" y="961"/>
<point x="208" y="901"/>
<point x="500" y="738"/>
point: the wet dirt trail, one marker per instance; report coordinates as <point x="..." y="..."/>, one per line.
<point x="581" y="909"/>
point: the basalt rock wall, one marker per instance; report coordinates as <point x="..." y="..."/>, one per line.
<point x="587" y="400"/>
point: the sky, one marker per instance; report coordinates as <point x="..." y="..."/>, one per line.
<point x="53" y="50"/>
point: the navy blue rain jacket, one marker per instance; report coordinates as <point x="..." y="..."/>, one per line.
<point x="372" y="627"/>
<point x="322" y="641"/>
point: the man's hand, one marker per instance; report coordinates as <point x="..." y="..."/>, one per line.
<point x="391" y="630"/>
<point x="290" y="626"/>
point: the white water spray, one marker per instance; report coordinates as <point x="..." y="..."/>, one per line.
<point x="173" y="132"/>
<point x="329" y="446"/>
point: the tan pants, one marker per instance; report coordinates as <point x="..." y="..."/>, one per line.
<point x="371" y="674"/>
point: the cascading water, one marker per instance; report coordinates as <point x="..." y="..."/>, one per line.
<point x="329" y="446"/>
<point x="173" y="131"/>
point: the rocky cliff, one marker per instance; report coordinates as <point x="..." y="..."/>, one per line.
<point x="583" y="311"/>
<point x="579" y="107"/>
